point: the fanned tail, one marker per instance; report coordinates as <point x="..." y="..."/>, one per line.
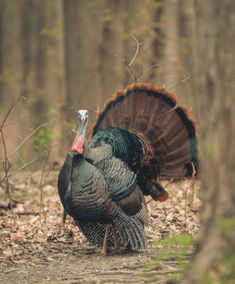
<point x="168" y="131"/>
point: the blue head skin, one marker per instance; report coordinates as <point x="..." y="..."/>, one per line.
<point x="78" y="144"/>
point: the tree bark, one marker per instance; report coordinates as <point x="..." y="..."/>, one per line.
<point x="34" y="57"/>
<point x="11" y="70"/>
<point x="112" y="49"/>
<point x="31" y="52"/>
<point x="215" y="100"/>
<point x="43" y="73"/>
<point x="83" y="32"/>
<point x="172" y="63"/>
<point x="138" y="22"/>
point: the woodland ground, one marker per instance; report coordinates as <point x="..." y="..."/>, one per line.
<point x="36" y="248"/>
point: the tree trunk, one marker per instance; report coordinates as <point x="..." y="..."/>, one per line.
<point x="1" y="52"/>
<point x="186" y="35"/>
<point x="82" y="26"/>
<point x="43" y="73"/>
<point x="11" y="70"/>
<point x="214" y="257"/>
<point x="34" y="21"/>
<point x="112" y="49"/>
<point x="172" y="62"/>
<point x="138" y="25"/>
<point x="31" y="63"/>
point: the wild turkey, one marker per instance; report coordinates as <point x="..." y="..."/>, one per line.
<point x="138" y="139"/>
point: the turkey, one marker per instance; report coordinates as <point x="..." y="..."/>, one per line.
<point x="139" y="138"/>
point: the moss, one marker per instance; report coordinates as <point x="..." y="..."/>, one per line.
<point x="224" y="272"/>
<point x="227" y="267"/>
<point x="226" y="225"/>
<point x="184" y="240"/>
<point x="54" y="31"/>
<point x="43" y="140"/>
<point x="207" y="280"/>
<point x="151" y="265"/>
<point x="173" y="249"/>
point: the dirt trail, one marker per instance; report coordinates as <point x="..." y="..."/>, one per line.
<point x="61" y="264"/>
<point x="77" y="267"/>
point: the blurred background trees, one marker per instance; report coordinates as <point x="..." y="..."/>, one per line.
<point x="65" y="55"/>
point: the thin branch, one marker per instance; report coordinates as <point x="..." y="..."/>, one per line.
<point x="41" y="182"/>
<point x="185" y="208"/>
<point x="133" y="59"/>
<point x="167" y="61"/>
<point x="192" y="191"/>
<point x="168" y="183"/>
<point x="26" y="165"/>
<point x="27" y="116"/>
<point x="182" y="81"/>
<point x="6" y="162"/>
<point x="43" y="169"/>
<point x="131" y="71"/>
<point x="9" y="111"/>
<point x="27" y="138"/>
<point x="144" y="70"/>
<point x="137" y="50"/>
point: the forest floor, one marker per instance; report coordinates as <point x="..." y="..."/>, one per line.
<point x="35" y="247"/>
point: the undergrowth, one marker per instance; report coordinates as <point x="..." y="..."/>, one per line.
<point x="175" y="251"/>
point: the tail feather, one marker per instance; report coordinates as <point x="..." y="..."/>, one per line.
<point x="151" y="113"/>
<point x="94" y="232"/>
<point x="130" y="231"/>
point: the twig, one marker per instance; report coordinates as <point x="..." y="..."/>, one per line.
<point x="133" y="59"/>
<point x="9" y="111"/>
<point x="26" y="213"/>
<point x="168" y="183"/>
<point x="41" y="183"/>
<point x="185" y="204"/>
<point x="167" y="61"/>
<point x="6" y="163"/>
<point x="137" y="50"/>
<point x="137" y="76"/>
<point x="193" y="191"/>
<point x="26" y="165"/>
<point x="185" y="209"/>
<point x="27" y="137"/>
<point x="182" y="81"/>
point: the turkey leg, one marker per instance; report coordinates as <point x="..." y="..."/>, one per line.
<point x="117" y="245"/>
<point x="105" y="242"/>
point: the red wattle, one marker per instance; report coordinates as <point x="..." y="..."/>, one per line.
<point x="78" y="145"/>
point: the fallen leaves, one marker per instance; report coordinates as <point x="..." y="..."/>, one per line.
<point x="180" y="213"/>
<point x="28" y="235"/>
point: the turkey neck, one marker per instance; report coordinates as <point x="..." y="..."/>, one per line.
<point x="81" y="129"/>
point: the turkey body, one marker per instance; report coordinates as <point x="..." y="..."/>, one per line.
<point x="104" y="190"/>
<point x="139" y="138"/>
